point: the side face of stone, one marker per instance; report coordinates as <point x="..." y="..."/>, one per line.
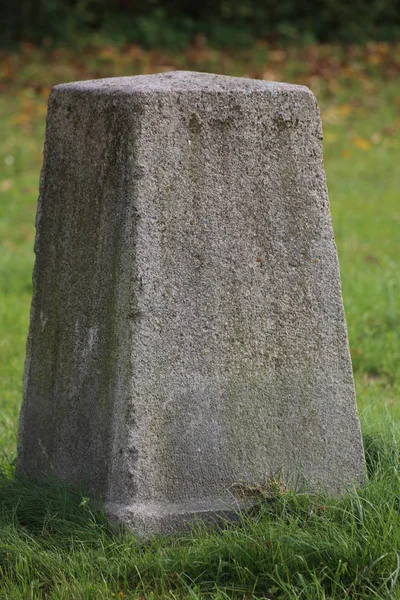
<point x="78" y="347"/>
<point x="187" y="327"/>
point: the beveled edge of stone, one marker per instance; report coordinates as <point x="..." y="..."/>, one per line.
<point x="181" y="81"/>
<point x="146" y="520"/>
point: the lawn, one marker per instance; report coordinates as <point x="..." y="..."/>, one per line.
<point x="53" y="543"/>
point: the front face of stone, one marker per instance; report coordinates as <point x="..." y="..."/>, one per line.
<point x="185" y="241"/>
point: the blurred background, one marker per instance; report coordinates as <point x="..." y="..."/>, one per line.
<point x="175" y="23"/>
<point x="348" y="53"/>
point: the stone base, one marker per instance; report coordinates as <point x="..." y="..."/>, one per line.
<point x="153" y="518"/>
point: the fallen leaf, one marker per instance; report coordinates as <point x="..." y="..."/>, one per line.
<point x="269" y="75"/>
<point x="5" y="185"/>
<point x="372" y="259"/>
<point x="362" y="143"/>
<point x="21" y="118"/>
<point x="278" y="55"/>
<point x="375" y="138"/>
<point x="375" y="59"/>
<point x="345" y="109"/>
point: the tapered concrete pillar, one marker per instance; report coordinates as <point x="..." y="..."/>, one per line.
<point x="187" y="329"/>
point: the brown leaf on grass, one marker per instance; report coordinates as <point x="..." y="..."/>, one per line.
<point x="269" y="75"/>
<point x="372" y="259"/>
<point x="44" y="93"/>
<point x="6" y="184"/>
<point x="21" y="118"/>
<point x="392" y="128"/>
<point x="361" y="143"/>
<point x="27" y="234"/>
<point x="345" y="109"/>
<point x="278" y="55"/>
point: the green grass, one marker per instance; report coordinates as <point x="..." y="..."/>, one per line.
<point x="53" y="542"/>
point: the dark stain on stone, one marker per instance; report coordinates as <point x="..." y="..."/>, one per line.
<point x="194" y="125"/>
<point x="283" y="124"/>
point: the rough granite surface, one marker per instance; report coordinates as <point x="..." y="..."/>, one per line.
<point x="187" y="327"/>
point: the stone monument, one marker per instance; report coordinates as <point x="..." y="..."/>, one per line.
<point x="187" y="327"/>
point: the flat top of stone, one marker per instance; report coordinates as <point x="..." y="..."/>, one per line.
<point x="182" y="81"/>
